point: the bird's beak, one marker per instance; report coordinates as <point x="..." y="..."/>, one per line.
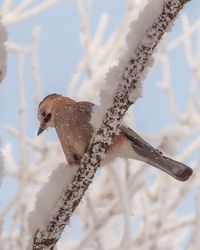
<point x="41" y="128"/>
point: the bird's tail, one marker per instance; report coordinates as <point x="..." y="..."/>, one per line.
<point x="174" y="168"/>
<point x="154" y="157"/>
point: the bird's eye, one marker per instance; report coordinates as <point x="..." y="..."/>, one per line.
<point x="43" y="114"/>
<point x="47" y="118"/>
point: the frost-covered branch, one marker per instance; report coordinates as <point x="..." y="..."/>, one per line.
<point x="24" y="10"/>
<point x="3" y="68"/>
<point x="3" y="54"/>
<point x="124" y="84"/>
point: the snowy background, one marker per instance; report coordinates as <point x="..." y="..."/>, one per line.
<point x="67" y="47"/>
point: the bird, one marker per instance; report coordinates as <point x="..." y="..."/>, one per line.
<point x="71" y="120"/>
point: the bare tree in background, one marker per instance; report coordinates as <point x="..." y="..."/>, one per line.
<point x="123" y="209"/>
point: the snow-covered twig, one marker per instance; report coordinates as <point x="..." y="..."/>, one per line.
<point x="157" y="18"/>
<point x="3" y="53"/>
<point x="21" y="13"/>
<point x="3" y="66"/>
<point x="34" y="64"/>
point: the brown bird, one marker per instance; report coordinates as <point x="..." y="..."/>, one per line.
<point x="71" y="121"/>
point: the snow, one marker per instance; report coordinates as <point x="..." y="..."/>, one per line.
<point x="49" y="195"/>
<point x="3" y="53"/>
<point x="140" y="33"/>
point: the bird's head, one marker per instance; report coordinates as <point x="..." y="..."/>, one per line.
<point x="45" y="112"/>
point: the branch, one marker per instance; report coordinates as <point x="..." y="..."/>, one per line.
<point x="3" y="66"/>
<point x="145" y="34"/>
<point x="21" y="13"/>
<point x="3" y="53"/>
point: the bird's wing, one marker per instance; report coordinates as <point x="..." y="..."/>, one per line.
<point x="62" y="127"/>
<point x="73" y="129"/>
<point x="154" y="157"/>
